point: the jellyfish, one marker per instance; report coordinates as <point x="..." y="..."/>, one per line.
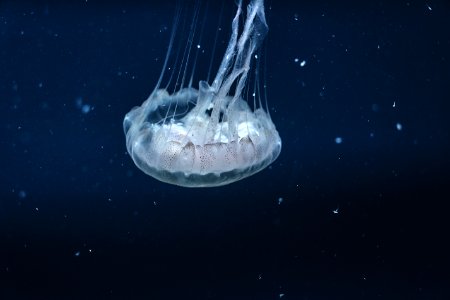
<point x="213" y="135"/>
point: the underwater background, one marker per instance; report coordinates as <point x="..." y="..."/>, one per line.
<point x="355" y="207"/>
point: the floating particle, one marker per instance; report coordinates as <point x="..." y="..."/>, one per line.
<point x="85" y="108"/>
<point x="303" y="63"/>
<point x="338" y="140"/>
<point x="280" y="200"/>
<point x="22" y="194"/>
<point x="77" y="253"/>
<point x="399" y="126"/>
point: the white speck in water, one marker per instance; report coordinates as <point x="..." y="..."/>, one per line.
<point x="338" y="140"/>
<point x="399" y="126"/>
<point x="336" y="211"/>
<point x="22" y="194"/>
<point x="77" y="253"/>
<point x="393" y="105"/>
<point x="303" y="63"/>
<point x="280" y="200"/>
<point x="198" y="46"/>
<point x="296" y="60"/>
<point x="85" y="108"/>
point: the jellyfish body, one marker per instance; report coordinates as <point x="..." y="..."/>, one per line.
<point x="208" y="136"/>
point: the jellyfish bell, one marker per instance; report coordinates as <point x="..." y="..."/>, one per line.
<point x="210" y="136"/>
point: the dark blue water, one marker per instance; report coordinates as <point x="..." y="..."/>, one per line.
<point x="355" y="207"/>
